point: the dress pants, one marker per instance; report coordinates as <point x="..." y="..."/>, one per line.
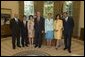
<point x="67" y="40"/>
<point x="15" y="38"/>
<point x="38" y="39"/>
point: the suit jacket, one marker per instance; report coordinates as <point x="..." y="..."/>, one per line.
<point x="39" y="25"/>
<point x="68" y="25"/>
<point x="23" y="28"/>
<point x="15" y="26"/>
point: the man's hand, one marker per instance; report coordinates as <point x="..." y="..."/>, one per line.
<point x="42" y="31"/>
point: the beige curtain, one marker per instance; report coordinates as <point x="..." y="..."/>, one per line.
<point x="58" y="7"/>
<point x="38" y="6"/>
<point x="21" y="9"/>
<point x="76" y="13"/>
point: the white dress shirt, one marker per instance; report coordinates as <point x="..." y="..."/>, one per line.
<point x="66" y="18"/>
<point x="16" y="19"/>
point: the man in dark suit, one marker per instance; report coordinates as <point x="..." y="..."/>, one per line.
<point x="39" y="29"/>
<point x="24" y="32"/>
<point x="15" y="29"/>
<point x="68" y="29"/>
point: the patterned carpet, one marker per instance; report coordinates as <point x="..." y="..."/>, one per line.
<point x="31" y="53"/>
<point x="6" y="49"/>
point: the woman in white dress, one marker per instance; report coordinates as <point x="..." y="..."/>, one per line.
<point x="30" y="26"/>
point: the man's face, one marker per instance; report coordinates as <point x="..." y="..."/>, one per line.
<point x="38" y="14"/>
<point x="16" y="15"/>
<point x="65" y="15"/>
<point x="24" y="17"/>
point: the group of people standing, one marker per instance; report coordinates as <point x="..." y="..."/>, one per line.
<point x="32" y="31"/>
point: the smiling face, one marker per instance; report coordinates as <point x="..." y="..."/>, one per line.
<point x="57" y="17"/>
<point x="65" y="14"/>
<point x="38" y="14"/>
<point x="49" y="15"/>
<point x="16" y="15"/>
<point x="30" y="17"/>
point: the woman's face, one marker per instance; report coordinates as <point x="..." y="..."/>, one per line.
<point x="31" y="18"/>
<point x="49" y="15"/>
<point x="25" y="17"/>
<point x="57" y="17"/>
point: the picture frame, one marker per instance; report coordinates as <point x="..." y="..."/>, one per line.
<point x="5" y="22"/>
<point x="5" y="16"/>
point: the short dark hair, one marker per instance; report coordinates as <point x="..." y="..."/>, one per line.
<point x="65" y="12"/>
<point x="30" y="16"/>
<point x="58" y="15"/>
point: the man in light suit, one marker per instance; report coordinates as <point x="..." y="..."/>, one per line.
<point x="68" y="29"/>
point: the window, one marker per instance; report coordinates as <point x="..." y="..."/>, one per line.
<point x="28" y="8"/>
<point x="48" y="8"/>
<point x="68" y="7"/>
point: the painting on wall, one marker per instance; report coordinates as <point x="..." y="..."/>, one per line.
<point x="5" y="16"/>
<point x="5" y="22"/>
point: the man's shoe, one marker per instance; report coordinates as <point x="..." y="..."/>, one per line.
<point x="39" y="47"/>
<point x="69" y="51"/>
<point x="26" y="45"/>
<point x="22" y="45"/>
<point x="19" y="46"/>
<point x="13" y="47"/>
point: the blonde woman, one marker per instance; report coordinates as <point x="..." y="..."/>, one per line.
<point x="49" y="29"/>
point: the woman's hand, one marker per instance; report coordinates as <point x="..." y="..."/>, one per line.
<point x="62" y="29"/>
<point x="56" y="30"/>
